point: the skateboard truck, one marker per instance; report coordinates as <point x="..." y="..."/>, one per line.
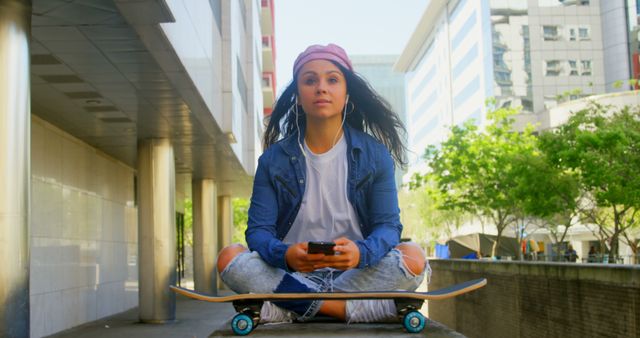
<point x="247" y="316"/>
<point x="409" y="314"/>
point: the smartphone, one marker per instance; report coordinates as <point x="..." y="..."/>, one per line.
<point x="321" y="247"/>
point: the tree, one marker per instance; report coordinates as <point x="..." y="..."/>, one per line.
<point x="414" y="226"/>
<point x="473" y="170"/>
<point x="423" y="216"/>
<point x="602" y="145"/>
<point x="548" y="193"/>
<point x="631" y="237"/>
<point x="240" y="219"/>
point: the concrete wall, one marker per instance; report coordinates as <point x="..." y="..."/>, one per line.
<point x="524" y="299"/>
<point x="84" y="252"/>
<point x="560" y="114"/>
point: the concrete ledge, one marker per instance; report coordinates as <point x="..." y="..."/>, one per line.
<point x="526" y="299"/>
<point x="614" y="274"/>
<point x="336" y="329"/>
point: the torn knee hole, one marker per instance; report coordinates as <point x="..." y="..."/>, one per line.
<point x="415" y="266"/>
<point x="413" y="258"/>
<point x="227" y="254"/>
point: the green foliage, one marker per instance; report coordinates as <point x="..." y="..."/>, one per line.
<point x="547" y="193"/>
<point x="586" y="168"/>
<point x="474" y="171"/>
<point x="414" y="227"/>
<point x="240" y="209"/>
<point x="632" y="83"/>
<point x="569" y="94"/>
<point x="601" y="144"/>
<point x="240" y="218"/>
<point x="424" y="218"/>
<point x="188" y="221"/>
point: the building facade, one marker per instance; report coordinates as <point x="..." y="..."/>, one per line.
<point x="113" y="113"/>
<point x="268" y="57"/>
<point x="378" y="71"/>
<point x="531" y="54"/>
<point x="633" y="29"/>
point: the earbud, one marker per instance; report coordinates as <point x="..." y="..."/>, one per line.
<point x="346" y="100"/>
<point x="296" y="97"/>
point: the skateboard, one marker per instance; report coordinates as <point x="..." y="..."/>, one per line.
<point x="407" y="303"/>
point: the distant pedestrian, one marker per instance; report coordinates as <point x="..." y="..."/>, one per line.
<point x="571" y="255"/>
<point x="592" y="255"/>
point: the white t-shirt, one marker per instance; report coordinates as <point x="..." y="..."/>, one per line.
<point x="325" y="213"/>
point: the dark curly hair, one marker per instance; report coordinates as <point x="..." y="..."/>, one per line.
<point x="371" y="114"/>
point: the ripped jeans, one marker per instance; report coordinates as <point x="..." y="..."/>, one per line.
<point x="248" y="273"/>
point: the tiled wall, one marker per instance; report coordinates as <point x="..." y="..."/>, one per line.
<point x="83" y="232"/>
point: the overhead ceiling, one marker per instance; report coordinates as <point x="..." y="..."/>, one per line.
<point x="92" y="76"/>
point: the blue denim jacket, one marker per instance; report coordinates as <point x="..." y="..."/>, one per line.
<point x="279" y="185"/>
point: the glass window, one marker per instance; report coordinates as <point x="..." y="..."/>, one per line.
<point x="572" y="34"/>
<point x="586" y="67"/>
<point x="242" y="85"/>
<point x="266" y="42"/>
<point x="266" y="81"/>
<point x="562" y="3"/>
<point x="553" y="68"/>
<point x="550" y="33"/>
<point x="583" y="32"/>
<point x="573" y="67"/>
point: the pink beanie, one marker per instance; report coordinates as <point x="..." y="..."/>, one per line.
<point x="329" y="52"/>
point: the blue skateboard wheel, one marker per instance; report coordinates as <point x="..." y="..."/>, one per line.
<point x="414" y="322"/>
<point x="242" y="324"/>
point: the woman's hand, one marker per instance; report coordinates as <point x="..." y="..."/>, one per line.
<point x="347" y="256"/>
<point x="299" y="260"/>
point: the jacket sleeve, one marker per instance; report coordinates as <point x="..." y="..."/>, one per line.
<point x="261" y="233"/>
<point x="384" y="213"/>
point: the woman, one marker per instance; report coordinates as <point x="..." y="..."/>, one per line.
<point x="322" y="178"/>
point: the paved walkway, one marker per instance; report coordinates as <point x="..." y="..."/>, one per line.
<point x="321" y="330"/>
<point x="196" y="319"/>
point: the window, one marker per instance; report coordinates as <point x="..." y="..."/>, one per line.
<point x="586" y="67"/>
<point x="573" y="68"/>
<point x="550" y="33"/>
<point x="242" y="85"/>
<point x="266" y="42"/>
<point x="266" y="81"/>
<point x="562" y="3"/>
<point x="572" y="34"/>
<point x="553" y="68"/>
<point x="583" y="33"/>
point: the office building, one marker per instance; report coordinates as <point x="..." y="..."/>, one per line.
<point x="113" y="112"/>
<point x="531" y="54"/>
<point x="378" y="71"/>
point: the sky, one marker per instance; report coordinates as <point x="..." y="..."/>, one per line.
<point x="358" y="26"/>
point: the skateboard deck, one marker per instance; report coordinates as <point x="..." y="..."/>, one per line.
<point x="407" y="303"/>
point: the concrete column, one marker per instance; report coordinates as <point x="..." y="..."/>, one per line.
<point x="225" y="226"/>
<point x="156" y="230"/>
<point x="15" y="166"/>
<point x="205" y="235"/>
